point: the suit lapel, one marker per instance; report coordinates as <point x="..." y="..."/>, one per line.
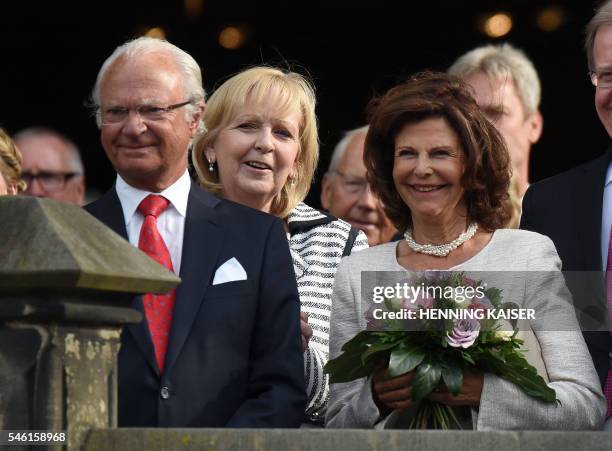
<point x="108" y="210"/>
<point x="590" y="197"/>
<point x="202" y="243"/>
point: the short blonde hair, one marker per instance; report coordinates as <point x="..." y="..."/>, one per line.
<point x="10" y="162"/>
<point x="293" y="92"/>
<point x="501" y="62"/>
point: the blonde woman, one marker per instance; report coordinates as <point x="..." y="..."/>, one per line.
<point x="261" y="150"/>
<point x="10" y="166"/>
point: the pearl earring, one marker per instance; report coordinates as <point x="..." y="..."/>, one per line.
<point x="211" y="166"/>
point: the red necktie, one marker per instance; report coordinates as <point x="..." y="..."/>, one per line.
<point x="158" y="308"/>
<point x="608" y="384"/>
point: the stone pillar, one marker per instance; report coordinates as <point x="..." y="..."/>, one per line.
<point x="67" y="284"/>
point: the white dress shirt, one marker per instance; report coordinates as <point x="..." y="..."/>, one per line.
<point x="606" y="217"/>
<point x="170" y="223"/>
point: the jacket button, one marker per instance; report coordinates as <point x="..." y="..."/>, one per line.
<point x="164" y="393"/>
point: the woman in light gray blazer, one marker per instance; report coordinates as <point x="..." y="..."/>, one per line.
<point x="442" y="171"/>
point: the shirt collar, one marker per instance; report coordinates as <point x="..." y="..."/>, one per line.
<point x="130" y="197"/>
<point x="609" y="174"/>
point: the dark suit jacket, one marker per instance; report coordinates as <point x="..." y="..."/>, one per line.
<point x="234" y="355"/>
<point x="568" y="209"/>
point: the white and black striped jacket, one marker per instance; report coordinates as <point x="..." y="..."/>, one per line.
<point x="317" y="242"/>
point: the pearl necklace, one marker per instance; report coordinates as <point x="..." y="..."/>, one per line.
<point x="440" y="250"/>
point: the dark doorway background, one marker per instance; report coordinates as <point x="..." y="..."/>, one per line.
<point x="352" y="50"/>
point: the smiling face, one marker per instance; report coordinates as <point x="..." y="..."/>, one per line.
<point x="427" y="170"/>
<point x="346" y="194"/>
<point x="256" y="152"/>
<point x="602" y="59"/>
<point x="148" y="154"/>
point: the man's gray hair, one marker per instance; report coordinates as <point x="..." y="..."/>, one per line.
<point x="76" y="161"/>
<point x="502" y="62"/>
<point x="188" y="67"/>
<point x="603" y="16"/>
<point x="340" y="148"/>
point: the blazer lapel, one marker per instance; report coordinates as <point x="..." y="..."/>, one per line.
<point x="300" y="265"/>
<point x="108" y="210"/>
<point x="202" y="243"/>
<point x="591" y="200"/>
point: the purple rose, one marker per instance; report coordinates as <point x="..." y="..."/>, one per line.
<point x="480" y="304"/>
<point x="469" y="282"/>
<point x="435" y="275"/>
<point x="373" y="323"/>
<point x="409" y="304"/>
<point x="425" y="302"/>
<point x="464" y="333"/>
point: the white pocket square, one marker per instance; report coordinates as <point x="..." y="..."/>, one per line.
<point x="230" y="271"/>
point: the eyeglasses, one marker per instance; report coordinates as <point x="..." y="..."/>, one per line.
<point x="352" y="184"/>
<point x="49" y="181"/>
<point x="118" y="114"/>
<point x="602" y="79"/>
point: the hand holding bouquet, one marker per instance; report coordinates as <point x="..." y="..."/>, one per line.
<point x="435" y="336"/>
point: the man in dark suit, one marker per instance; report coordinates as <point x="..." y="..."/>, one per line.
<point x="224" y="349"/>
<point x="575" y="209"/>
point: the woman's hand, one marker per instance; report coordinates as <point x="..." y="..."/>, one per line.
<point x="471" y="390"/>
<point x="306" y="330"/>
<point x="396" y="393"/>
<point x="391" y="393"/>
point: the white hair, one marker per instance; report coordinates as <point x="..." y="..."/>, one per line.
<point x="341" y="147"/>
<point x="188" y="67"/>
<point x="76" y="161"/>
<point x="502" y="62"/>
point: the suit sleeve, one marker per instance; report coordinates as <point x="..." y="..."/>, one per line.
<point x="276" y="391"/>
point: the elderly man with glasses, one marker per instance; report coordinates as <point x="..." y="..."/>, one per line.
<point x="52" y="165"/>
<point x="346" y="194"/>
<point x="224" y="348"/>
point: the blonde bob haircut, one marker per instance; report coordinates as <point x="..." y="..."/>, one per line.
<point x="292" y="92"/>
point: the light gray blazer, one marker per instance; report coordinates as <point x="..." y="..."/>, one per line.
<point x="558" y="351"/>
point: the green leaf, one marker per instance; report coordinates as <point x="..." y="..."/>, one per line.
<point x="348" y="367"/>
<point x="425" y="380"/>
<point x="453" y="378"/>
<point x="363" y="338"/>
<point x="404" y="359"/>
<point x="377" y="350"/>
<point x="517" y="370"/>
<point x="467" y="357"/>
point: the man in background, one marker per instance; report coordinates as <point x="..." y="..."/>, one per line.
<point x="52" y="165"/>
<point x="346" y="194"/>
<point x="507" y="88"/>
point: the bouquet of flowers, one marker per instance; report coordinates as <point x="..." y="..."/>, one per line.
<point x="441" y="324"/>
